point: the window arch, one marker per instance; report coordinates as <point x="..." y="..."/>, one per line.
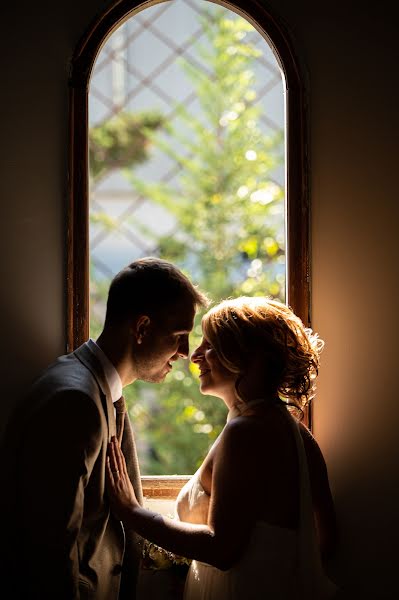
<point x="297" y="202"/>
<point x="297" y="189"/>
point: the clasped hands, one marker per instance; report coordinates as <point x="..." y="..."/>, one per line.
<point x="120" y="490"/>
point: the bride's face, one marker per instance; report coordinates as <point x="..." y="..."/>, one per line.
<point x="215" y="379"/>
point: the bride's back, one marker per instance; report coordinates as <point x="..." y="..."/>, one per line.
<point x="259" y="452"/>
<point x="266" y="464"/>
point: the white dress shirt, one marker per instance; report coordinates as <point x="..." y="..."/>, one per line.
<point x="111" y="374"/>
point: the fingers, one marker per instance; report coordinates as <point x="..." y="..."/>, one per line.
<point x="112" y="456"/>
<point x="120" y="486"/>
<point x="119" y="457"/>
<point x="118" y="462"/>
<point x="122" y="463"/>
<point x="109" y="477"/>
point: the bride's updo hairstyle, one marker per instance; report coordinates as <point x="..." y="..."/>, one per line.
<point x="245" y="329"/>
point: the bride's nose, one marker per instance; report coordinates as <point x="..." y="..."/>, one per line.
<point x="194" y="356"/>
<point x="197" y="354"/>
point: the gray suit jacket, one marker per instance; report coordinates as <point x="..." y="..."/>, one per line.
<point x="65" y="544"/>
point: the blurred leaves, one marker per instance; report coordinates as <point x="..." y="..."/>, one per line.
<point x="230" y="227"/>
<point x="121" y="142"/>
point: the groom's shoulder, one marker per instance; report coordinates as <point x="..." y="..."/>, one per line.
<point x="62" y="367"/>
<point x="66" y="372"/>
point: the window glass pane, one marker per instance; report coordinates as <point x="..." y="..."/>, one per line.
<point x="187" y="162"/>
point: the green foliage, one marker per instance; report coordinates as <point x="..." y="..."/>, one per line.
<point x="230" y="230"/>
<point x="230" y="238"/>
<point x="228" y="210"/>
<point x="173" y="425"/>
<point x="98" y="295"/>
<point x="121" y="142"/>
<point x="117" y="143"/>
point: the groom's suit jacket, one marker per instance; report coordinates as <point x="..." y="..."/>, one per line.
<point x="65" y="543"/>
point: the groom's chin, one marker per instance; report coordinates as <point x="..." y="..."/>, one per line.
<point x="160" y="377"/>
<point x="154" y="378"/>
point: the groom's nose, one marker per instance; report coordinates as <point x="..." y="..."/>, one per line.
<point x="183" y="348"/>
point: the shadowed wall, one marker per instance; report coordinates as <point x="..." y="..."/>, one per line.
<point x="351" y="62"/>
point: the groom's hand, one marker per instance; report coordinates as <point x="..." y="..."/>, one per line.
<point x="120" y="490"/>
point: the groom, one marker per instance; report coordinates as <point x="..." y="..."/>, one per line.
<point x="64" y="543"/>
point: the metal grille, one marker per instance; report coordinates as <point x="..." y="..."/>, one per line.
<point x="138" y="69"/>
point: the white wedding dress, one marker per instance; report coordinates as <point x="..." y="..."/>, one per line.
<point x="278" y="564"/>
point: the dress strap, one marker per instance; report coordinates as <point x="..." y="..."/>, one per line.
<point x="315" y="584"/>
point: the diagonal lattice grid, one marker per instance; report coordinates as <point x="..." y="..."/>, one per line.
<point x="140" y="69"/>
<point x="151" y="84"/>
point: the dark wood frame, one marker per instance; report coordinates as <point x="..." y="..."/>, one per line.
<point x="297" y="192"/>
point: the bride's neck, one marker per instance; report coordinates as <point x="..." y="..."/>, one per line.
<point x="252" y="406"/>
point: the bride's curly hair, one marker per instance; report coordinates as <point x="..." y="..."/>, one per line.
<point x="245" y="328"/>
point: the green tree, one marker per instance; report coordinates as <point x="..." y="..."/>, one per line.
<point x="229" y="212"/>
<point x="230" y="230"/>
<point x="119" y="143"/>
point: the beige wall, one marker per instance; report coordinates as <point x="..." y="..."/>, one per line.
<point x="349" y="51"/>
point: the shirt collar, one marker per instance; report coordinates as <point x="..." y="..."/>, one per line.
<point x="111" y="374"/>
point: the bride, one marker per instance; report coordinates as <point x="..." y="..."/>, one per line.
<point x="257" y="518"/>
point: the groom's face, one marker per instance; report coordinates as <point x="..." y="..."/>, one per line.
<point x="164" y="341"/>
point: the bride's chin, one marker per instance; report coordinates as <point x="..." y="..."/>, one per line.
<point x="203" y="387"/>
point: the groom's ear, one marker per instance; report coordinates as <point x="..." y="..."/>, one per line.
<point x="140" y="327"/>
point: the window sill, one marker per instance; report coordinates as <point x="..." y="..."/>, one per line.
<point x="160" y="492"/>
<point x="163" y="487"/>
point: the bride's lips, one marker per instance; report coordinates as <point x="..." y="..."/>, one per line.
<point x="204" y="372"/>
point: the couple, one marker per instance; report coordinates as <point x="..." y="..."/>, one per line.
<point x="257" y="517"/>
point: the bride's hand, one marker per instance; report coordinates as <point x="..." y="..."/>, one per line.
<point x="120" y="490"/>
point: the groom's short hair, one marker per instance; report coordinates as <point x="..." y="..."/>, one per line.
<point x="149" y="286"/>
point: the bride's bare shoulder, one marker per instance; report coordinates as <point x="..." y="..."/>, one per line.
<point x="259" y="421"/>
<point x="245" y="435"/>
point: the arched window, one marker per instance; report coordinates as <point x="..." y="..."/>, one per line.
<point x="101" y="63"/>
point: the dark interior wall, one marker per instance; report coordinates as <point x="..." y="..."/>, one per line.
<point x="349" y="53"/>
<point x="36" y="45"/>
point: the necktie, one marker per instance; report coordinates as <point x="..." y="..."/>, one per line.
<point x="120" y="408"/>
<point x="133" y="543"/>
<point x="124" y="433"/>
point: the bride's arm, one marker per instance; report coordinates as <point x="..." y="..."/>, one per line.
<point x="183" y="539"/>
<point x="220" y="541"/>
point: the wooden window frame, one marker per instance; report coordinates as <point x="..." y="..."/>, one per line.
<point x="163" y="487"/>
<point x="297" y="169"/>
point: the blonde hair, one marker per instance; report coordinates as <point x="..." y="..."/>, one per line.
<point x="238" y="328"/>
